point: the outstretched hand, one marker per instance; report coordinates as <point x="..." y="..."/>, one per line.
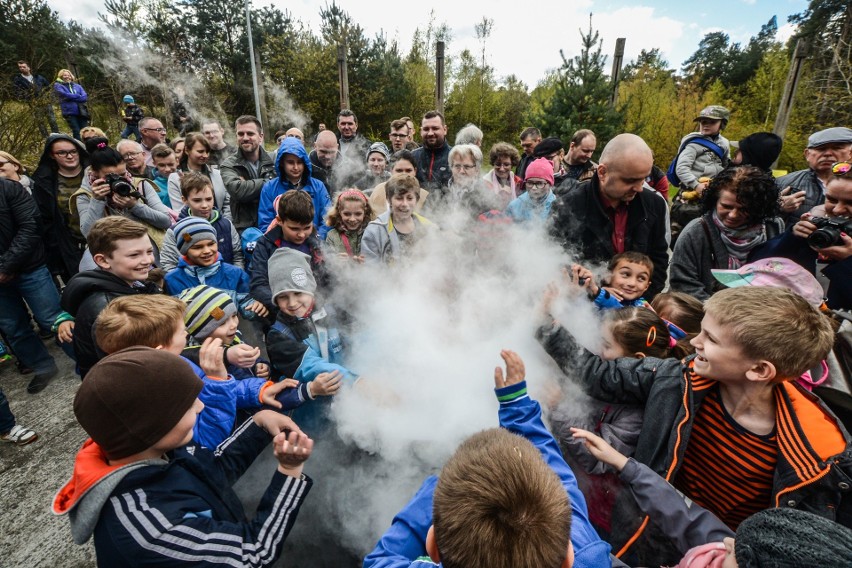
<point x="515" y="372"/>
<point x="270" y="393"/>
<point x="600" y="449"/>
<point x="292" y="451"/>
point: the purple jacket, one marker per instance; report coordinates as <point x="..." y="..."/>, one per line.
<point x="70" y="95"/>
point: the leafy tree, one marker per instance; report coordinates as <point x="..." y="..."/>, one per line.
<point x="581" y="97"/>
<point x="713" y="59"/>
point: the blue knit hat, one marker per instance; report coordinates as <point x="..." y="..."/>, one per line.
<point x="192" y="230"/>
<point x="206" y="309"/>
<point x="128" y="99"/>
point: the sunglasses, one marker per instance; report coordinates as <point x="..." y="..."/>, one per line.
<point x="841" y="168"/>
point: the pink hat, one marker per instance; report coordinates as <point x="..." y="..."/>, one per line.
<point x="541" y="168"/>
<point x="775" y="273"/>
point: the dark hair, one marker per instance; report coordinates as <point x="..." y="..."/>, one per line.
<point x="296" y="205"/>
<point x="634" y="257"/>
<point x="194" y="181"/>
<point x="101" y="154"/>
<point x="681" y="309"/>
<point x="191" y="140"/>
<point x="406" y="155"/>
<point x="640" y="330"/>
<point x="434" y="113"/>
<point x="161" y="150"/>
<point x="504" y="150"/>
<point x="347" y="112"/>
<point x="398" y="123"/>
<point x="248" y="119"/>
<point x="530" y="131"/>
<point x="755" y="190"/>
<point x="400" y="184"/>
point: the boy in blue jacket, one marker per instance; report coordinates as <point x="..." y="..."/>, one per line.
<point x="293" y="171"/>
<point x="506" y="498"/>
<point x="152" y="497"/>
<point x="630" y="278"/>
<point x="201" y="263"/>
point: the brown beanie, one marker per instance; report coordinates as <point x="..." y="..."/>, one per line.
<point x="134" y="397"/>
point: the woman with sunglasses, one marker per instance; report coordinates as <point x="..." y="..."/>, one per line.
<point x="11" y="169"/>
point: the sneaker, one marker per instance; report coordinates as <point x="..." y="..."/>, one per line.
<point x="19" y="435"/>
<point x="41" y="380"/>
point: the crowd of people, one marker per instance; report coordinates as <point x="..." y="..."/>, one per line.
<point x="716" y="432"/>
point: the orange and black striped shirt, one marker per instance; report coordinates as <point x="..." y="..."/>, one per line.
<point x="727" y="469"/>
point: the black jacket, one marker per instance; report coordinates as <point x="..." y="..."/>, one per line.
<point x="433" y="166"/>
<point x="85" y="296"/>
<point x="26" y="91"/>
<point x="580" y="224"/>
<point x="21" y="249"/>
<point x="62" y="249"/>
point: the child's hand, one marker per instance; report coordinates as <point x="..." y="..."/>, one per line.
<point x="551" y="292"/>
<point x="326" y="384"/>
<point x="258" y="308"/>
<point x="614" y="293"/>
<point x="268" y="397"/>
<point x="261" y="370"/>
<point x="583" y="277"/>
<point x="515" y="371"/>
<point x="274" y="422"/>
<point x="292" y="451"/>
<point x="210" y="358"/>
<point x="65" y="331"/>
<point x="242" y="355"/>
<point x="600" y="449"/>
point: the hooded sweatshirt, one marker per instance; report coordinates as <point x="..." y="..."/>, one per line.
<point x="275" y="187"/>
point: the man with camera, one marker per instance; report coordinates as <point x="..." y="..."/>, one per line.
<point x="820" y="241"/>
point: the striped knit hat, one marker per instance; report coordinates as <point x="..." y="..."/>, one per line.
<point x="206" y="309"/>
<point x="192" y="230"/>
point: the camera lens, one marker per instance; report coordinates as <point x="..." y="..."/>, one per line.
<point x="824" y="237"/>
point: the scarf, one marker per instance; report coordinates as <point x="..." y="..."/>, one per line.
<point x="740" y="241"/>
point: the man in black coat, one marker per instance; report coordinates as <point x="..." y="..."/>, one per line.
<point x="35" y="90"/>
<point x="611" y="213"/>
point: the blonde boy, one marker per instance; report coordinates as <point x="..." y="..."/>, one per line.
<point x="729" y="427"/>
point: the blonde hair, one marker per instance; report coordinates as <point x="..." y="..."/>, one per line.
<point x="773" y="324"/>
<point x="147" y="320"/>
<point x="98" y="133"/>
<point x="61" y="71"/>
<point x="498" y="504"/>
<point x="351" y="195"/>
<point x="10" y="158"/>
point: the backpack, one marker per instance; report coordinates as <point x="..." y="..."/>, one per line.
<point x="712" y="146"/>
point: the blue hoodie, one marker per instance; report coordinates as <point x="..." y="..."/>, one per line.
<point x="275" y="187"/>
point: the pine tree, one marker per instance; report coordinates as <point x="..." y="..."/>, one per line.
<point x="581" y="96"/>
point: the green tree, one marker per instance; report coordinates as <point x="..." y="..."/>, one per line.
<point x="581" y="97"/>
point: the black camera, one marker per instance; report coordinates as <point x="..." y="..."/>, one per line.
<point x="119" y="185"/>
<point x="828" y="230"/>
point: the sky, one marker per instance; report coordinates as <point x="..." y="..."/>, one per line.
<point x="526" y="38"/>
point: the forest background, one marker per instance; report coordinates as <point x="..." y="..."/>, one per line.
<point x="196" y="52"/>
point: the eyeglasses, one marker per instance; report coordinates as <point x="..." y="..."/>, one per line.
<point x="463" y="167"/>
<point x="841" y="169"/>
<point x="502" y="166"/>
<point x="65" y="153"/>
<point x="163" y="130"/>
<point x="131" y="155"/>
<point x="536" y="184"/>
<point x="4" y="163"/>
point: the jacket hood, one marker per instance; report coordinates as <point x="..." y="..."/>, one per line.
<point x="293" y="146"/>
<point x="91" y="484"/>
<point x="88" y="282"/>
<point x="47" y="160"/>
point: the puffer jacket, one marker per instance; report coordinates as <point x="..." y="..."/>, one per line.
<point x="275" y="187"/>
<point x="21" y="247"/>
<point x="696" y="161"/>
<point x="71" y="96"/>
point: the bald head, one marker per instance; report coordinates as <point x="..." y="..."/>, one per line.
<point x="326" y="148"/>
<point x="626" y="148"/>
<point x="295" y="133"/>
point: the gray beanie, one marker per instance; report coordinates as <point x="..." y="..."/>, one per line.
<point x="380" y="148"/>
<point x="290" y="271"/>
<point x="782" y="538"/>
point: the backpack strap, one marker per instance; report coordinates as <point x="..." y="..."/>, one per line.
<point x="709" y="144"/>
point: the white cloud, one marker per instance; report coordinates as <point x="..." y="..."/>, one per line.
<point x="786" y="31"/>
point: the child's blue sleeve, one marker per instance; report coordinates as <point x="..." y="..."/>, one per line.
<point x="265" y="211"/>
<point x="216" y="421"/>
<point x="313" y="364"/>
<point x="522" y="415"/>
<point x="404" y="543"/>
<point x="247" y="392"/>
<point x="293" y="397"/>
<point x="606" y="301"/>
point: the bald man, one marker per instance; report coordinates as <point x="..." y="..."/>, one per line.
<point x="324" y="156"/>
<point x="611" y="213"/>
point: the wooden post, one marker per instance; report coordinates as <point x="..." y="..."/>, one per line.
<point x="617" y="60"/>
<point x="439" y="77"/>
<point x="786" y="106"/>
<point x="343" y="76"/>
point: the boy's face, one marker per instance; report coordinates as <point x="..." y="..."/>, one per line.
<point x="352" y="214"/>
<point x="537" y="188"/>
<point x="293" y="168"/>
<point x="131" y="260"/>
<point x="178" y="341"/>
<point x="296" y="232"/>
<point x="295" y="304"/>
<point x="709" y="127"/>
<point x="402" y="205"/>
<point x="167" y="165"/>
<point x="630" y="279"/>
<point x="200" y="202"/>
<point x="203" y="253"/>
<point x="717" y="356"/>
<point x="181" y="434"/>
<point x="227" y="330"/>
